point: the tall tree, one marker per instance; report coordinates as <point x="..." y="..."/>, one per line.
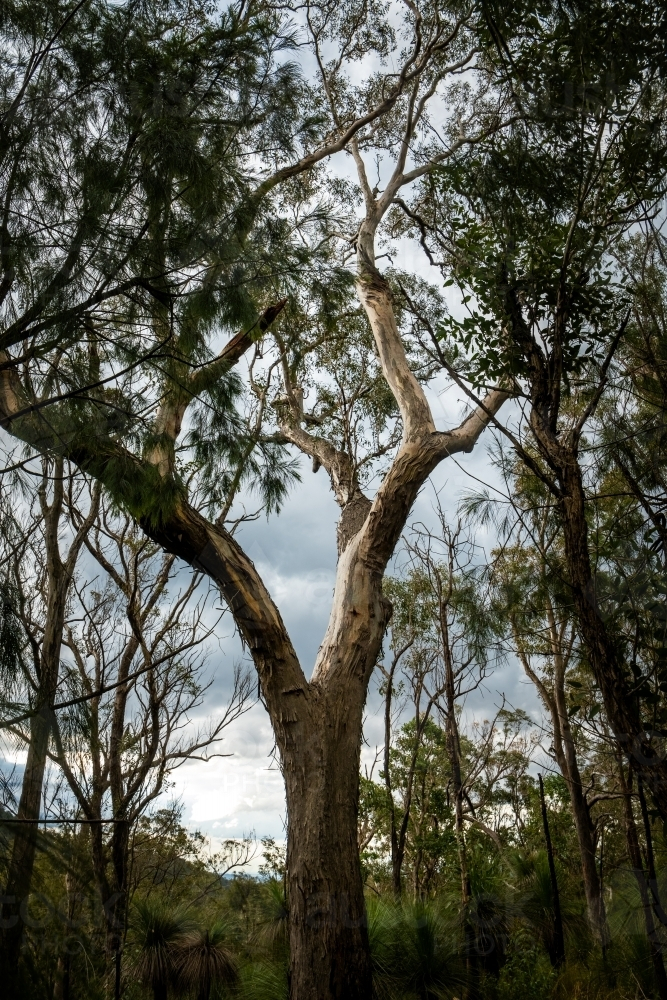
<point x="529" y="229"/>
<point x="42" y="595"/>
<point x="135" y="679"/>
<point x="534" y="617"/>
<point x="317" y="722"/>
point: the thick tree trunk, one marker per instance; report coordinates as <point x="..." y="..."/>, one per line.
<point x="329" y="952"/>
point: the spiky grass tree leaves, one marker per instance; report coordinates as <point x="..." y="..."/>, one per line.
<point x="415" y="950"/>
<point x="159" y="929"/>
<point x="204" y="960"/>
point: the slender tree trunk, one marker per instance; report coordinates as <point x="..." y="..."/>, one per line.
<point x="59" y="576"/>
<point x="24" y="848"/>
<point x="396" y="862"/>
<point x="61" y="989"/>
<point x="621" y="708"/>
<point x="581" y="814"/>
<point x="558" y="956"/>
<point x="634" y="853"/>
<point x="454" y="753"/>
<point x="650" y="857"/>
<point x="592" y="888"/>
<point x="116" y="913"/>
<point x="329" y="952"/>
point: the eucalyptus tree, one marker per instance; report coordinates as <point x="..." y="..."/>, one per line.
<point x="134" y="681"/>
<point x="463" y="640"/>
<point x="440" y="638"/>
<point x="254" y="213"/>
<point x="529" y="227"/>
<point x="40" y="553"/>
<point x="533" y="616"/>
<point x="413" y="678"/>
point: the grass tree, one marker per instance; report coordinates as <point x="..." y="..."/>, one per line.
<point x="205" y="960"/>
<point x="159" y="930"/>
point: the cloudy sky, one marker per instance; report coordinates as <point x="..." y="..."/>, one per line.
<point x="296" y="555"/>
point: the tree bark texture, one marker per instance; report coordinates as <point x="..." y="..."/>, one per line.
<point x="328" y="934"/>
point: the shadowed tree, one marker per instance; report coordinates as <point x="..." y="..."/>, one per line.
<point x="42" y="564"/>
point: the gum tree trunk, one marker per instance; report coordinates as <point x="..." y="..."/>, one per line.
<point x="329" y="954"/>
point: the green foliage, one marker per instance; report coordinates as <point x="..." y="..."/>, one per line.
<point x="158" y="929"/>
<point x="414" y="950"/>
<point x="528" y="975"/>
